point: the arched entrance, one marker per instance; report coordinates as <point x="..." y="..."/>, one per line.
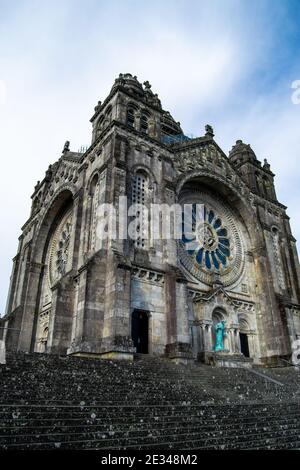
<point x="244" y="344"/>
<point x="140" y="331"/>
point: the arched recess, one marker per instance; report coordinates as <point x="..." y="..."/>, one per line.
<point x="53" y="252"/>
<point x="238" y="199"/>
<point x="244" y="336"/>
<point x="257" y="270"/>
<point x="232" y="192"/>
<point x="219" y="314"/>
<point x="222" y="241"/>
<point x="131" y="115"/>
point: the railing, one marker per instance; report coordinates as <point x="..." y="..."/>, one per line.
<point x="264" y="376"/>
<point x="290" y="363"/>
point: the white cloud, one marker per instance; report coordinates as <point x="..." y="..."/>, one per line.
<point x="3" y="92"/>
<point x="58" y="59"/>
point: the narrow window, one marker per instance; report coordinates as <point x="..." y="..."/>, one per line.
<point x="144" y="124"/>
<point x="130" y="117"/>
<point x="139" y="196"/>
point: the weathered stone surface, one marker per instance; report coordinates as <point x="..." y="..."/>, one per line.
<point x="65" y="402"/>
<point x="73" y="292"/>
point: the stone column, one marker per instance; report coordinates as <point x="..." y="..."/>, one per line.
<point x="116" y="340"/>
<point x="253" y="352"/>
<point x="27" y="333"/>
<point x="89" y="305"/>
<point x="237" y="341"/>
<point x="229" y="341"/>
<point x="178" y="347"/>
<point x="209" y="338"/>
<point x="202" y="337"/>
<point x="61" y="316"/>
<point x="77" y="341"/>
<point x="232" y="342"/>
<point x="12" y="284"/>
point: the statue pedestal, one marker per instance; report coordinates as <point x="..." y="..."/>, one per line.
<point x="179" y="353"/>
<point x="224" y="359"/>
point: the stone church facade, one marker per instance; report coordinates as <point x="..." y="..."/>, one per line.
<point x="74" y="292"/>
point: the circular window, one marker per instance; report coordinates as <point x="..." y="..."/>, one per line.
<point x="211" y="240"/>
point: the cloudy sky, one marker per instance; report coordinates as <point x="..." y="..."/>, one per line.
<point x="228" y="63"/>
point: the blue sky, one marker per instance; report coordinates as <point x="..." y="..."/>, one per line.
<point x="229" y="63"/>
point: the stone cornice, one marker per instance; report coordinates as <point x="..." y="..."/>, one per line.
<point x="208" y="296"/>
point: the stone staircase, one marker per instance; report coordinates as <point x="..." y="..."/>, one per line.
<point x="58" y="402"/>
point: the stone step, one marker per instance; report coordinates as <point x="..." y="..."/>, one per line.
<point x="191" y="439"/>
<point x="132" y="427"/>
<point x="150" y="403"/>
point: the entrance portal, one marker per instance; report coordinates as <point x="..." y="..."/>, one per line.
<point x="244" y="344"/>
<point x="140" y="331"/>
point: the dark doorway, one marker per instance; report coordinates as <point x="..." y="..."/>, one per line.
<point x="140" y="331"/>
<point x="244" y="344"/>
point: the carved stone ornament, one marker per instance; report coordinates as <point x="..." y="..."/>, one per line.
<point x="59" y="248"/>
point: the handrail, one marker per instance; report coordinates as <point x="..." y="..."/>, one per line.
<point x="266" y="377"/>
<point x="290" y="363"/>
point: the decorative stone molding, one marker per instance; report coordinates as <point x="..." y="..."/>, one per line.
<point x="204" y="297"/>
<point x="145" y="275"/>
<point x="59" y="248"/>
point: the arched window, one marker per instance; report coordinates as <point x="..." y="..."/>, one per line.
<point x="144" y="124"/>
<point x="108" y="116"/>
<point x="130" y="119"/>
<point x="99" y="125"/>
<point x="140" y="191"/>
<point x="267" y="187"/>
<point x="258" y="181"/>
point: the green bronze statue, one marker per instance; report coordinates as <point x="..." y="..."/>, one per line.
<point x="220" y="335"/>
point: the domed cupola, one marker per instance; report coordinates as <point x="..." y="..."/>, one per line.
<point x="241" y="153"/>
<point x="130" y="83"/>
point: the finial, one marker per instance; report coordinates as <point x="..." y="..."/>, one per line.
<point x="147" y="85"/>
<point x="66" y="147"/>
<point x="48" y="174"/>
<point x="209" y="132"/>
<point x="266" y="164"/>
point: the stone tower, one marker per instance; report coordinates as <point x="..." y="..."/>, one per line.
<point x="73" y="291"/>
